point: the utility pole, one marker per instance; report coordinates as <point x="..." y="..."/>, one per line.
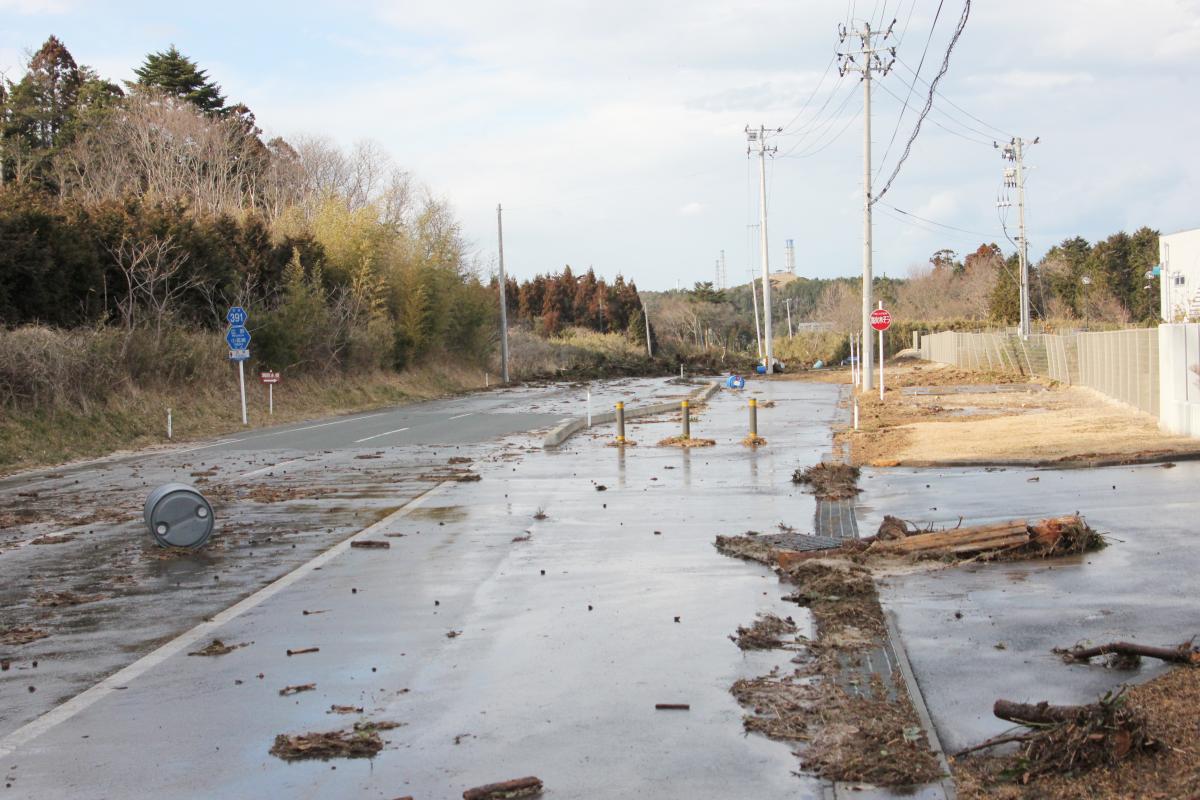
<point x="503" y="298"/>
<point x="788" y="303"/>
<point x="871" y="61"/>
<point x="1014" y="178"/>
<point x="758" y="140"/>
<point x="754" y="300"/>
<point x="722" y="280"/>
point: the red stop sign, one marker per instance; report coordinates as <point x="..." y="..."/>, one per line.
<point x="881" y="319"/>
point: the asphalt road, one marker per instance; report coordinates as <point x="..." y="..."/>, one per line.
<point x="564" y="628"/>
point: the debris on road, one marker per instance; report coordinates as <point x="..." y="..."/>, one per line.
<point x="303" y="650"/>
<point x="672" y="707"/>
<point x="679" y="441"/>
<point x="765" y="633"/>
<point x="331" y="744"/>
<point x="297" y="689"/>
<point x="217" y="648"/>
<point x="24" y="635"/>
<point x="453" y="634"/>
<point x="1011" y="539"/>
<point x="1127" y="655"/>
<point x="506" y="790"/>
<point x="829" y="480"/>
<point x="66" y="598"/>
<point x="754" y="441"/>
<point x="336" y="709"/>
<point x="1167" y="705"/>
<point x="50" y="538"/>
<point x="370" y="544"/>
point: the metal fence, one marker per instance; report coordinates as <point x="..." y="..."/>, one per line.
<point x="1120" y="364"/>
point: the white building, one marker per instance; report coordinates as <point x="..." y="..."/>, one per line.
<point x="1179" y="285"/>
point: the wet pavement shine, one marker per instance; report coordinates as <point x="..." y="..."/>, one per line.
<point x="981" y="632"/>
<point x="503" y="645"/>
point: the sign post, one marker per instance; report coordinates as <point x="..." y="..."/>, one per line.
<point x="238" y="339"/>
<point x="270" y="379"/>
<point x="881" y="320"/>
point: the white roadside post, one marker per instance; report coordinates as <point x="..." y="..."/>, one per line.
<point x="881" y="330"/>
<point x="270" y="379"/>
<point x="589" y="407"/>
<point x="168" y="424"/>
<point x="242" y="384"/>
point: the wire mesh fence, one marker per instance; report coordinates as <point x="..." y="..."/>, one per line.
<point x="1120" y="364"/>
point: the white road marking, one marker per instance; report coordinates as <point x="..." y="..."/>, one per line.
<point x="121" y="679"/>
<point x="318" y="425"/>
<point x="460" y="416"/>
<point x="204" y="446"/>
<point x="376" y="436"/>
<point x="254" y="472"/>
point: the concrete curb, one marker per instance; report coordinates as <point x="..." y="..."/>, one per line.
<point x="566" y="430"/>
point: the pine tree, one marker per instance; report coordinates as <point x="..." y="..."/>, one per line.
<point x="173" y="73"/>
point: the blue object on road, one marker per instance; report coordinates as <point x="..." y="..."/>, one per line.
<point x="736" y="382"/>
<point x="819" y="364"/>
<point x="761" y="369"/>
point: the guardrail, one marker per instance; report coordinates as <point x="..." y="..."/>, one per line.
<point x="573" y="426"/>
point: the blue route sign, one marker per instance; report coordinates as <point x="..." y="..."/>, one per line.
<point x="238" y="337"/>
<point x="236" y="316"/>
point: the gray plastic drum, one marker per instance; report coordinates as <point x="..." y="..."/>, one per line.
<point x="178" y="516"/>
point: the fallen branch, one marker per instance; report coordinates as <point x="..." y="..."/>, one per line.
<point x="1180" y="654"/>
<point x="1041" y="713"/>
<point x="520" y="787"/>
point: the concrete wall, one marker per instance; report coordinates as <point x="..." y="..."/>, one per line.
<point x="1178" y="381"/>
<point x="1179" y="284"/>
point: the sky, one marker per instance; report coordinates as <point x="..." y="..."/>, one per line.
<point x="613" y="132"/>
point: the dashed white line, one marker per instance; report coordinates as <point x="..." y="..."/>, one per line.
<point x="460" y="416"/>
<point x="124" y="677"/>
<point x="376" y="436"/>
<point x="319" y="425"/>
<point x="260" y="471"/>
<point x="210" y="444"/>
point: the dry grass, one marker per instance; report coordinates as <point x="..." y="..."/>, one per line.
<point x="766" y="633"/>
<point x="829" y="480"/>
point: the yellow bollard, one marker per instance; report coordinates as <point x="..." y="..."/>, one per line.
<point x="621" y="423"/>
<point x="753" y="417"/>
<point x="687" y="419"/>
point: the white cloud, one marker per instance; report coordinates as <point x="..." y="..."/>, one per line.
<point x="691" y="209"/>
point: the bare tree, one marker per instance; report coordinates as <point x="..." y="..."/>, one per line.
<point x="151" y="269"/>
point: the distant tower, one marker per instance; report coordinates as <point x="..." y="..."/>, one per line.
<point x="789" y="257"/>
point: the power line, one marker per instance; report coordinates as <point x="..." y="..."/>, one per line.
<point x="817" y="149"/>
<point x="984" y="123"/>
<point x="912" y="84"/>
<point x="962" y="23"/>
<point x="934" y="222"/>
<point x="825" y="125"/>
<point x="820" y="83"/>
<point x="984" y="142"/>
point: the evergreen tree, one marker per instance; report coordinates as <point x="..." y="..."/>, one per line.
<point x="173" y="73"/>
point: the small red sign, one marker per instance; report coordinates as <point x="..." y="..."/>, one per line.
<point x="269" y="377"/>
<point x="881" y="319"/>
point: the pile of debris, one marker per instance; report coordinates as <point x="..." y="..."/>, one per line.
<point x="829" y="481"/>
<point x="766" y="633"/>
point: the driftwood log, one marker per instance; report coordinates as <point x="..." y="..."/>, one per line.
<point x="1180" y="654"/>
<point x="1041" y="713"/>
<point x="519" y="787"/>
<point x="1041" y="535"/>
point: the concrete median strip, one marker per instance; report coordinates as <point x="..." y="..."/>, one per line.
<point x="570" y="427"/>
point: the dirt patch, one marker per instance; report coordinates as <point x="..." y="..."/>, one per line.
<point x="23" y="635"/>
<point x="766" y="633"/>
<point x="1061" y="425"/>
<point x="750" y="548"/>
<point x="330" y="744"/>
<point x="829" y="481"/>
<point x="1167" y="705"/>
<point x="279" y="494"/>
<point x="680" y="441"/>
<point x="217" y="648"/>
<point x="61" y="538"/>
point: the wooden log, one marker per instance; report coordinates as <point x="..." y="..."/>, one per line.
<point x="492" y="791"/>
<point x="1040" y="713"/>
<point x="1180" y="654"/>
<point x="959" y="536"/>
<point x="1015" y="540"/>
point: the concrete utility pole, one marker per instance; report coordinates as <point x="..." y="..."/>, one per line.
<point x="788" y="303"/>
<point x="871" y="61"/>
<point x="1014" y="178"/>
<point x="758" y="140"/>
<point x="754" y="300"/>
<point x="724" y="280"/>
<point x="503" y="298"/>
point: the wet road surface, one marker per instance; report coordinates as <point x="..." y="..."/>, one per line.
<point x="1143" y="587"/>
<point x="551" y="674"/>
